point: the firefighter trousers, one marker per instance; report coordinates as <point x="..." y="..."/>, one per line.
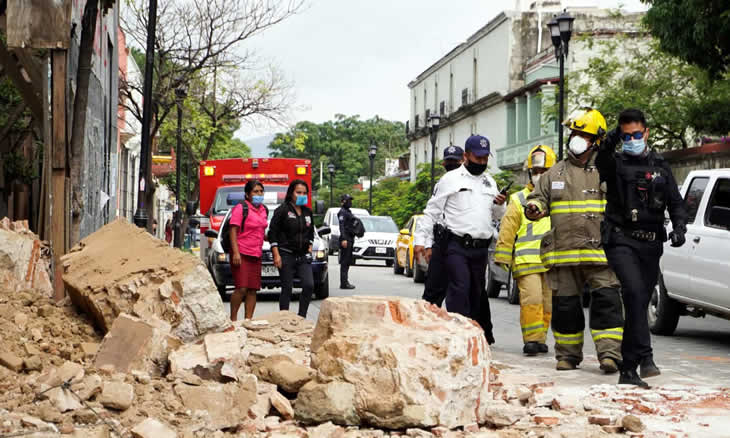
<point x="606" y="311"/>
<point x="536" y="306"/>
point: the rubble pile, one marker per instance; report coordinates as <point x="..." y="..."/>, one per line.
<point x="25" y="261"/>
<point x="378" y="367"/>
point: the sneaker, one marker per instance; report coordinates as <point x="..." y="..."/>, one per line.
<point x="531" y="349"/>
<point x="347" y="286"/>
<point x="629" y="377"/>
<point x="542" y="348"/>
<point x="648" y="368"/>
<point x="609" y="365"/>
<point x="565" y="365"/>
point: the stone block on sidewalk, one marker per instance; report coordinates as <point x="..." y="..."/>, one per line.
<point x="217" y="357"/>
<point x="223" y="405"/>
<point x="117" y="395"/>
<point x="283" y="372"/>
<point x="123" y="269"/>
<point x="411" y="364"/>
<point x="153" y="428"/>
<point x="136" y="345"/>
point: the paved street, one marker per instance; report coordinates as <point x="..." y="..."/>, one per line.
<point x="699" y="352"/>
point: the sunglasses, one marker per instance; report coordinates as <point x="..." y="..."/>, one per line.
<point x="638" y="135"/>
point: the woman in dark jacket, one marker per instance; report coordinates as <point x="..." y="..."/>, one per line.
<point x="291" y="234"/>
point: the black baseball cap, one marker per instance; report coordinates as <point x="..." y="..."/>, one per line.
<point x="453" y="153"/>
<point x="477" y="145"/>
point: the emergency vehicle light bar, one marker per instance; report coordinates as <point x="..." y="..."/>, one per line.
<point x="262" y="176"/>
<point x="301" y="170"/>
<point x="209" y="170"/>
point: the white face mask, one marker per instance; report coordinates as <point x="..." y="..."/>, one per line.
<point x="578" y="145"/>
<point x="535" y="179"/>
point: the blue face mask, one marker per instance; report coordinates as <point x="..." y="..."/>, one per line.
<point x="257" y="200"/>
<point x="302" y="200"/>
<point x="634" y="147"/>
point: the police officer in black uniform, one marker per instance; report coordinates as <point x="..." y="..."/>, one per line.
<point x="437" y="279"/>
<point x="347" y="239"/>
<point x="639" y="188"/>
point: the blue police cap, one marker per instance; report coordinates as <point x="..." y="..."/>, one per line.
<point x="453" y="153"/>
<point x="477" y="145"/>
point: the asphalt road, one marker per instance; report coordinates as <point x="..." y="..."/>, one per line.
<point x="699" y="351"/>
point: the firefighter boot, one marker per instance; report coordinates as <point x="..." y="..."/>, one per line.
<point x="531" y="349"/>
<point x="648" y="368"/>
<point x="609" y="365"/>
<point x="543" y="348"/>
<point x="565" y="365"/>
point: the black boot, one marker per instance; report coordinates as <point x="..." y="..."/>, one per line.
<point x="490" y="338"/>
<point x="543" y="348"/>
<point x="630" y="377"/>
<point x="531" y="349"/>
<point x="648" y="368"/>
<point x="347" y="286"/>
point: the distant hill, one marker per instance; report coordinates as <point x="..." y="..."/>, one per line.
<point x="259" y="146"/>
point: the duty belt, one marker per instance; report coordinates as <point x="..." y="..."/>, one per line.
<point x="469" y="242"/>
<point x="646" y="236"/>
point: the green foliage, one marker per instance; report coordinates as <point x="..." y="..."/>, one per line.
<point x="697" y="31"/>
<point x="679" y="100"/>
<point x="343" y="142"/>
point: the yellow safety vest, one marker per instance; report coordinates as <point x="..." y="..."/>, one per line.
<point x="527" y="246"/>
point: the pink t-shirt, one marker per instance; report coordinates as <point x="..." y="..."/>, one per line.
<point x="252" y="237"/>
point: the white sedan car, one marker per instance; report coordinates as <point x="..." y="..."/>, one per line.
<point x="378" y="243"/>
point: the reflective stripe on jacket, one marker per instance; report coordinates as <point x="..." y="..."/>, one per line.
<point x="521" y="237"/>
<point x="571" y="194"/>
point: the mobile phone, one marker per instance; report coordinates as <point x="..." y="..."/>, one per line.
<point x="506" y="189"/>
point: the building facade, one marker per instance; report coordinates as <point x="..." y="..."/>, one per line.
<point x="502" y="82"/>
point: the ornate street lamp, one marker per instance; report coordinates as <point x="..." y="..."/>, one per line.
<point x="561" y="29"/>
<point x="371" y="154"/>
<point x="433" y="123"/>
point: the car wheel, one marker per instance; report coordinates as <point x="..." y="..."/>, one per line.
<point x="663" y="313"/>
<point x="419" y="275"/>
<point x="322" y="290"/>
<point x="493" y="286"/>
<point x="397" y="269"/>
<point x="513" y="292"/>
<point x="224" y="294"/>
<point x="409" y="270"/>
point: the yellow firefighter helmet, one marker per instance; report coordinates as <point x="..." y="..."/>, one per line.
<point x="587" y="120"/>
<point x="546" y="161"/>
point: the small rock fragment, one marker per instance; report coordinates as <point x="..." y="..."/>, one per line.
<point x="547" y="421"/>
<point x="152" y="428"/>
<point x="33" y="363"/>
<point x="117" y="395"/>
<point x="632" y="423"/>
<point x="601" y="420"/>
<point x="11" y="361"/>
<point x="282" y="405"/>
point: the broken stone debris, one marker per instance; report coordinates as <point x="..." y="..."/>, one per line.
<point x="407" y="364"/>
<point x="25" y="261"/>
<point x="123" y="269"/>
<point x="117" y="395"/>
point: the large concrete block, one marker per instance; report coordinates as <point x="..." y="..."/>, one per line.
<point x="123" y="269"/>
<point x="411" y="364"/>
<point x="223" y="405"/>
<point x="136" y="345"/>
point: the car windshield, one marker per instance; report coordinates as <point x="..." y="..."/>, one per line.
<point x="379" y="224"/>
<point x="227" y="197"/>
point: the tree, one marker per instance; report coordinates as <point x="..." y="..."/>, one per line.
<point x="199" y="38"/>
<point x="697" y="31"/>
<point x="679" y="100"/>
<point x="343" y="142"/>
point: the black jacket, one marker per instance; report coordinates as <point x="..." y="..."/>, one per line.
<point x="345" y="217"/>
<point x="608" y="163"/>
<point x="291" y="232"/>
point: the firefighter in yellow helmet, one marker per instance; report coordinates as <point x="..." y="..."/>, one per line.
<point x="518" y="246"/>
<point x="571" y="195"/>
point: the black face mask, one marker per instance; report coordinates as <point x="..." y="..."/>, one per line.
<point x="451" y="165"/>
<point x="475" y="168"/>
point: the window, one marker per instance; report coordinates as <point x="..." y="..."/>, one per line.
<point x="720" y="200"/>
<point x="409" y="224"/>
<point x="694" y="196"/>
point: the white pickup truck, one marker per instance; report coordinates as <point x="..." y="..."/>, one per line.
<point x="695" y="278"/>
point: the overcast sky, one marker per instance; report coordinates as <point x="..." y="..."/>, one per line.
<point x="357" y="57"/>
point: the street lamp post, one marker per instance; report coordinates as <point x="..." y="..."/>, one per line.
<point x="371" y="153"/>
<point x="331" y="169"/>
<point x="561" y="29"/>
<point x="140" y="216"/>
<point x="180" y="94"/>
<point x="434" y="122"/>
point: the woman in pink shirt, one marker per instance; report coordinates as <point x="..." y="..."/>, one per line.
<point x="246" y="248"/>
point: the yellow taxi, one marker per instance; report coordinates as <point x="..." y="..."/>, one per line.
<point x="404" y="260"/>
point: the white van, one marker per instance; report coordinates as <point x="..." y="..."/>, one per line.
<point x="330" y="220"/>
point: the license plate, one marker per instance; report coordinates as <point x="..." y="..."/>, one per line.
<point x="269" y="271"/>
<point x="381" y="250"/>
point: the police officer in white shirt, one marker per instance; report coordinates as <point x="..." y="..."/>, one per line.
<point x="468" y="200"/>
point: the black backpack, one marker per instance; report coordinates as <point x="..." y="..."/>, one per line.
<point x="226" y="228"/>
<point x="358" y="229"/>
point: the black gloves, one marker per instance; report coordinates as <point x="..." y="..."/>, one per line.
<point x="677" y="238"/>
